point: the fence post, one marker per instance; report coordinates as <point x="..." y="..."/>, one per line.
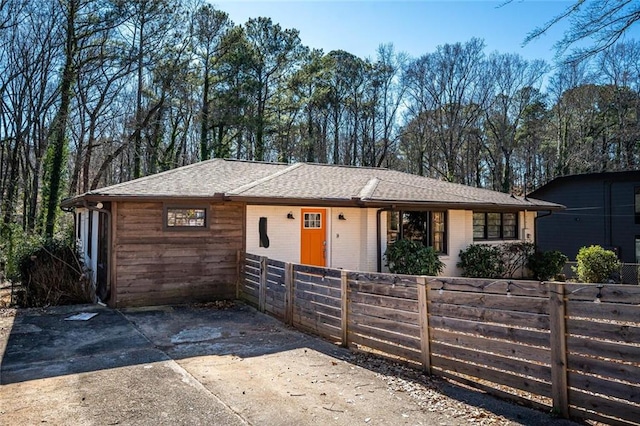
<point x="423" y="297"/>
<point x="288" y="297"/>
<point x="558" y="340"/>
<point x="344" y="308"/>
<point x="262" y="291"/>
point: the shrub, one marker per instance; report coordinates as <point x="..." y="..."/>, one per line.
<point x="514" y="257"/>
<point x="596" y="265"/>
<point x="413" y="258"/>
<point x="482" y="261"/>
<point x="546" y="265"/>
<point x="49" y="271"/>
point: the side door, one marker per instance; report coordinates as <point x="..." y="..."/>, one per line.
<point x="313" y="237"/>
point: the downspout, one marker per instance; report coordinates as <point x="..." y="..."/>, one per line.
<point x="379" y="237"/>
<point x="108" y="213"/>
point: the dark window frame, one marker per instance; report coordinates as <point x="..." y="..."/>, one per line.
<point x="263" y="236"/>
<point x="79" y="225"/>
<point x="89" y="249"/>
<point x="430" y="231"/>
<point x="486" y="235"/>
<point x="636" y="204"/>
<point x="189" y="228"/>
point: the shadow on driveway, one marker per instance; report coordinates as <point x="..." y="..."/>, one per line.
<point x="254" y="369"/>
<point x="41" y="343"/>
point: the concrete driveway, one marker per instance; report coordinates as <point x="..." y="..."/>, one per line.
<point x="201" y="365"/>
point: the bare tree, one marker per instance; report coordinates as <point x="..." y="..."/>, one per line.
<point x="452" y="84"/>
<point x="602" y="22"/>
<point x="516" y="84"/>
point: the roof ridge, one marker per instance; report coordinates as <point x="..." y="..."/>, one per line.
<point x="239" y="190"/>
<point x="155" y="175"/>
<point x="347" y="166"/>
<point x="242" y="160"/>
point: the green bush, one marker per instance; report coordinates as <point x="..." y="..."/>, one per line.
<point x="482" y="261"/>
<point x="546" y="265"/>
<point x="596" y="265"/>
<point x="413" y="258"/>
<point x="48" y="271"/>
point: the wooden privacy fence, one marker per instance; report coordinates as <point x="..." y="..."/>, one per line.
<point x="571" y="347"/>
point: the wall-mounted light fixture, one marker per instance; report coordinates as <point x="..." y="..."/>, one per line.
<point x="341" y="217"/>
<point x="290" y="215"/>
<point x="99" y="205"/>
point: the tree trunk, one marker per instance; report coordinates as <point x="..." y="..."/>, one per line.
<point x="60" y="124"/>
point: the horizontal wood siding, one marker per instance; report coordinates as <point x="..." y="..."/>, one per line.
<point x="157" y="266"/>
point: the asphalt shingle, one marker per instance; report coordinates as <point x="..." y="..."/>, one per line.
<point x="304" y="182"/>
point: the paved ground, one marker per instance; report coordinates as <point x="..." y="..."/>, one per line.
<point x="201" y="365"/>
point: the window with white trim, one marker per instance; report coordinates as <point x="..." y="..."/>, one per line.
<point x="312" y="220"/>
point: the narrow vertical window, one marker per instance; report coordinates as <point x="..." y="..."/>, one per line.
<point x="509" y="226"/>
<point x="79" y="225"/>
<point x="262" y="229"/>
<point x="90" y="234"/>
<point x="637" y="206"/>
<point x="438" y="232"/>
<point x="494" y="226"/>
<point x="479" y="226"/>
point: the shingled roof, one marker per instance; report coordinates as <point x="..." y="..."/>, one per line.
<point x="307" y="184"/>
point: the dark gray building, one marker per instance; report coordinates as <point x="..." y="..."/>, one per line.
<point x="602" y="208"/>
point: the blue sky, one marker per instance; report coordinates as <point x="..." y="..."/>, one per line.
<point x="415" y="27"/>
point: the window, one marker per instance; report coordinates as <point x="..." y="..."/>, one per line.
<point x="313" y="220"/>
<point x="438" y="232"/>
<point x="184" y="218"/>
<point x="427" y="227"/>
<point x="637" y="206"/>
<point x="90" y="235"/>
<point x="637" y="248"/>
<point x="79" y="225"/>
<point x="495" y="226"/>
<point x="262" y="230"/>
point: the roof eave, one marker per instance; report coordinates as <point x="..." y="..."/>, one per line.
<point x="79" y="200"/>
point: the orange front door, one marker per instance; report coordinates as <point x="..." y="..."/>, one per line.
<point x="313" y="237"/>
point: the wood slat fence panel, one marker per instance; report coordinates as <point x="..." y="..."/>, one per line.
<point x="275" y="289"/>
<point x="603" y="345"/>
<point x="317" y="301"/>
<point x="573" y="347"/>
<point x="249" y="280"/>
<point x="384" y="315"/>
<point x="493" y="331"/>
